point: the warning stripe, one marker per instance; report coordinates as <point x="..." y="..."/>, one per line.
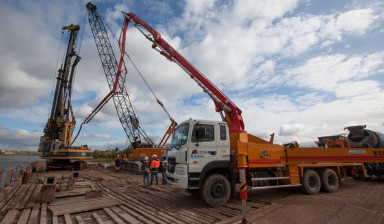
<point x="243" y="186"/>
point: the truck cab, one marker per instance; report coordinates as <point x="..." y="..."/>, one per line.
<point x="199" y="159"/>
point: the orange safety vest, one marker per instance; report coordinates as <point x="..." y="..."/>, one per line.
<point x="155" y="164"/>
<point x="125" y="159"/>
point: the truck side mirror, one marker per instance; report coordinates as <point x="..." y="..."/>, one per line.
<point x="200" y="133"/>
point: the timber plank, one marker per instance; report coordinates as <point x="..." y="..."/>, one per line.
<point x="27" y="196"/>
<point x="34" y="214"/>
<point x="24" y="216"/>
<point x="10" y="216"/>
<point x="9" y="196"/>
<point x="198" y="217"/>
<point x="212" y="214"/>
<point x="170" y="218"/>
<point x="43" y="214"/>
<point x="35" y="195"/>
<point x="149" y="214"/>
<point x="14" y="203"/>
<point x="84" y="206"/>
<point x="62" y="194"/>
<point x="67" y="218"/>
<point x="141" y="217"/>
<point x="76" y="201"/>
<point x="81" y="204"/>
<point x="54" y="220"/>
<point x="79" y="219"/>
<point x="134" y="205"/>
<point x="113" y="216"/>
<point x="124" y="215"/>
<point x="65" y="201"/>
<point x="97" y="218"/>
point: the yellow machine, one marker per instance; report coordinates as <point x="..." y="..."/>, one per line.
<point x="55" y="144"/>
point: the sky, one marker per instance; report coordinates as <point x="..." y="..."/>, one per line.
<point x="297" y="68"/>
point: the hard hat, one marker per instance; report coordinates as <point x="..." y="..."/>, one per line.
<point x="146" y="158"/>
<point x="125" y="155"/>
<point x="154" y="156"/>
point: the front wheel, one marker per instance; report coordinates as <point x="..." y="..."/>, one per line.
<point x="216" y="190"/>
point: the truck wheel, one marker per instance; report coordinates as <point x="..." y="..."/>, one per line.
<point x="311" y="182"/>
<point x="329" y="181"/>
<point x="216" y="190"/>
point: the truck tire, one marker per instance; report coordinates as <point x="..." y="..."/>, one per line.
<point x="329" y="181"/>
<point x="311" y="182"/>
<point x="216" y="190"/>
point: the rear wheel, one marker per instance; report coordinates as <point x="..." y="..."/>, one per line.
<point x="311" y="182"/>
<point x="216" y="190"/>
<point x="329" y="181"/>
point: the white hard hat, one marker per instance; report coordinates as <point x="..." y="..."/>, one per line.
<point x="146" y="158"/>
<point x="154" y="156"/>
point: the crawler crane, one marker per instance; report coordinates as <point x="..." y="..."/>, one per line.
<point x="115" y="73"/>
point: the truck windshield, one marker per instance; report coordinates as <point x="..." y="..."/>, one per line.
<point x="180" y="136"/>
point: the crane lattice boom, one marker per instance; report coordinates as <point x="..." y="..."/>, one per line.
<point x="115" y="73"/>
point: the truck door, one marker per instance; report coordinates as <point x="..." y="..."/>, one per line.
<point x="203" y="148"/>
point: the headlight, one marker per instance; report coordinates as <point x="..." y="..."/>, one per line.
<point x="180" y="171"/>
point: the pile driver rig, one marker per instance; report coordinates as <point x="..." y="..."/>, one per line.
<point x="55" y="144"/>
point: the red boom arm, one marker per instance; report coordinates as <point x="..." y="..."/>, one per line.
<point x="222" y="102"/>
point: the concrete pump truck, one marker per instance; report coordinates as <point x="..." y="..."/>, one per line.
<point x="207" y="156"/>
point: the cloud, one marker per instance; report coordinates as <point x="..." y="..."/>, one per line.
<point x="339" y="74"/>
<point x="356" y="21"/>
<point x="20" y="139"/>
<point x="289" y="130"/>
<point x="290" y="71"/>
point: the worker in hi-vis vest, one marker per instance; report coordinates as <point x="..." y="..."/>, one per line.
<point x="154" y="167"/>
<point x="125" y="162"/>
<point x="117" y="163"/>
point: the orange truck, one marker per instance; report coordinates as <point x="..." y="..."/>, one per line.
<point x="316" y="168"/>
<point x="217" y="157"/>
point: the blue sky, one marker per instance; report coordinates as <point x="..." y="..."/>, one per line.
<point x="300" y="69"/>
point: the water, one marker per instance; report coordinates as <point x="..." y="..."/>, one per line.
<point x="7" y="162"/>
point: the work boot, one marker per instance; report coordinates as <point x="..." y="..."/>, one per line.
<point x="151" y="183"/>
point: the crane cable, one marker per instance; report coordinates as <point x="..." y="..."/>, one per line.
<point x="147" y="84"/>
